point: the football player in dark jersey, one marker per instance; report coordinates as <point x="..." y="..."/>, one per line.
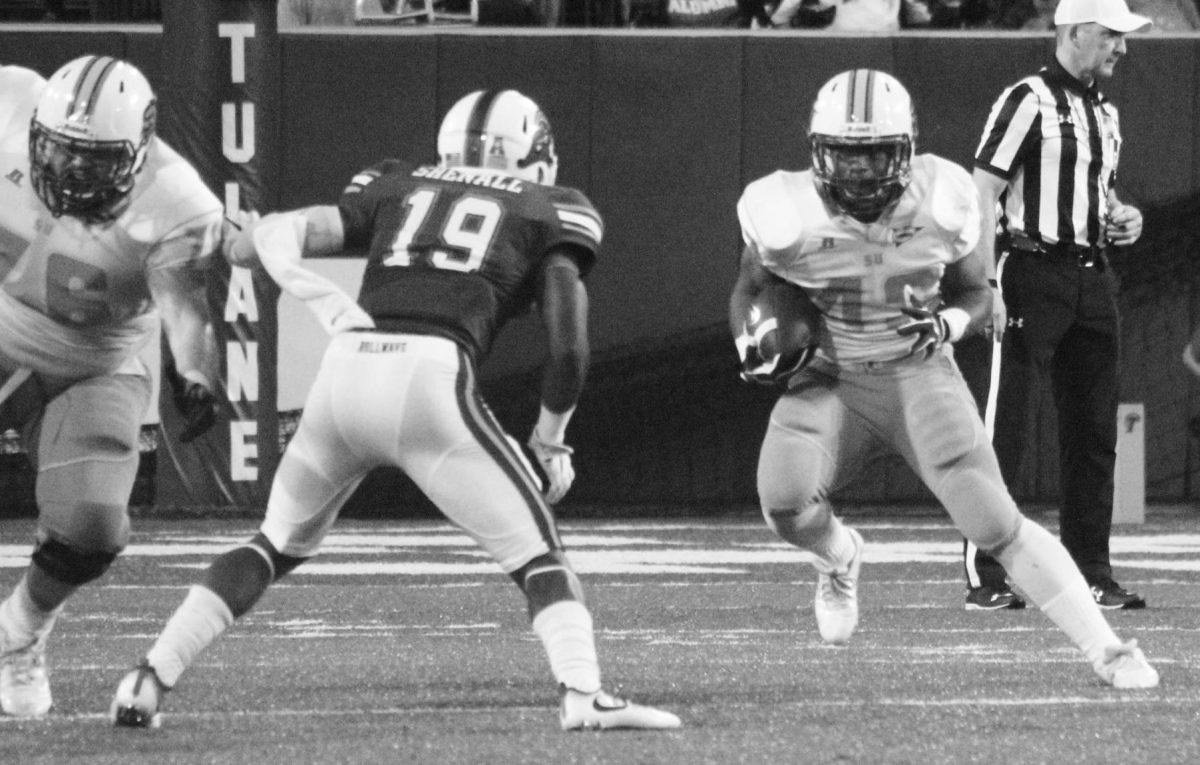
<point x="454" y="250"/>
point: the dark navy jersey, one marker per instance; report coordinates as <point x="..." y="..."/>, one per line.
<point x="458" y="251"/>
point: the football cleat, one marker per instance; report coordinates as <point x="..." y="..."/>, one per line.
<point x="1109" y="596"/>
<point x="24" y="681"/>
<point x="138" y="699"/>
<point x="603" y="711"/>
<point x="993" y="599"/>
<point x="1125" y="667"/>
<point x="836" y="603"/>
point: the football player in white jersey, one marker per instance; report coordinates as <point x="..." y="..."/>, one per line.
<point x="104" y="233"/>
<point x="453" y="251"/>
<point x="884" y="244"/>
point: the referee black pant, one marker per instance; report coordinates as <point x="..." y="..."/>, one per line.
<point x="1063" y="336"/>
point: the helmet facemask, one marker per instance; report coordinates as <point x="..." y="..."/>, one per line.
<point x="862" y="178"/>
<point x="82" y="178"/>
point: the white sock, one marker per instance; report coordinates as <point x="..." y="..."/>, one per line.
<point x="198" y="621"/>
<point x="565" y="629"/>
<point x="835" y="549"/>
<point x="1039" y="564"/>
<point x="23" y="619"/>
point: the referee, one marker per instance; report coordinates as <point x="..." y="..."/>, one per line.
<point x="1047" y="164"/>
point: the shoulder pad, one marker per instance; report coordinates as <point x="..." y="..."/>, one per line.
<point x="771" y="210"/>
<point x="20" y="89"/>
<point x="952" y="199"/>
<point x="169" y="196"/>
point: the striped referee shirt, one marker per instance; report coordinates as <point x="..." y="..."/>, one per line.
<point x="1057" y="143"/>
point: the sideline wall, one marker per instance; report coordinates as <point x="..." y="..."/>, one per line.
<point x="662" y="131"/>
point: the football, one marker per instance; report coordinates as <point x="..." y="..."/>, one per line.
<point x="786" y="325"/>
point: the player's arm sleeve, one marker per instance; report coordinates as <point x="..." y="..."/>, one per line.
<point x="180" y="295"/>
<point x="1009" y="132"/>
<point x="281" y="240"/>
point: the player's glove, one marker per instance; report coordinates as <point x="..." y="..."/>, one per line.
<point x="929" y="328"/>
<point x="555" y="460"/>
<point x="196" y="403"/>
<point x="766" y="369"/>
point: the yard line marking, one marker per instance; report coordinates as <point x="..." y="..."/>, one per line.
<point x="1123" y="699"/>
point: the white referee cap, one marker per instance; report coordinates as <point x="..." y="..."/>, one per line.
<point x="1112" y="14"/>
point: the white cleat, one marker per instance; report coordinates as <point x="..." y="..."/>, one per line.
<point x="138" y="699"/>
<point x="1125" y="667"/>
<point x="603" y="711"/>
<point x="836" y="603"/>
<point x="24" y="681"/>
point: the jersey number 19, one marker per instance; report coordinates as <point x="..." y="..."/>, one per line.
<point x="466" y="234"/>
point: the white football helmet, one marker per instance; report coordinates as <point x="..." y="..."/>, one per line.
<point x="863" y="131"/>
<point x="500" y="130"/>
<point x="89" y="137"/>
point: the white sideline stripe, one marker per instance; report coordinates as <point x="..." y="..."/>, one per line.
<point x="1120" y="698"/>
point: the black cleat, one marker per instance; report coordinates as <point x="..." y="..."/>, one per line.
<point x="993" y="599"/>
<point x="1110" y="596"/>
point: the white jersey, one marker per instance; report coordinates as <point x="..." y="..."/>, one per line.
<point x="75" y="301"/>
<point x="861" y="274"/>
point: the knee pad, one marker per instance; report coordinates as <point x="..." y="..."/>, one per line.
<point x="242" y="575"/>
<point x="797" y="524"/>
<point x="998" y="549"/>
<point x="67" y="564"/>
<point x="548" y="579"/>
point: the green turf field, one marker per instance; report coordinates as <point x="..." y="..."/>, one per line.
<point x="402" y="643"/>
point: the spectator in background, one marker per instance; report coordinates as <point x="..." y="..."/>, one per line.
<point x="853" y="16"/>
<point x="703" y="13"/>
<point x="291" y="14"/>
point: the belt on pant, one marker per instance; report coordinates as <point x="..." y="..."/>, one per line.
<point x="1084" y="256"/>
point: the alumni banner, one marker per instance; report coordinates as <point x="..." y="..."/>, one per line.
<point x="220" y="107"/>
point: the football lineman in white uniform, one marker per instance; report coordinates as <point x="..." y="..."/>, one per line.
<point x="104" y="232"/>
<point x="884" y="243"/>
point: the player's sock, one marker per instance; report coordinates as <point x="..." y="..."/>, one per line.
<point x="565" y="629"/>
<point x="1039" y="564"/>
<point x="23" y="618"/>
<point x="198" y="621"/>
<point x="835" y="548"/>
